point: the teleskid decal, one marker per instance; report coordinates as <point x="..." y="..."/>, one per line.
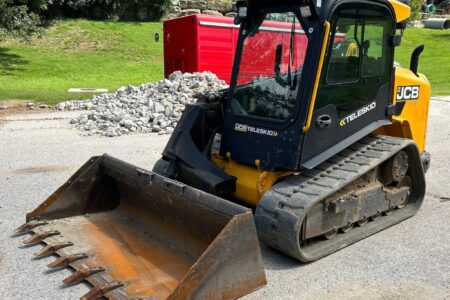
<point x="408" y="92"/>
<point x="357" y="114"/>
<point x="247" y="128"/>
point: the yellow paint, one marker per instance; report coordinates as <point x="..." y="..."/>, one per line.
<point x="402" y="11"/>
<point x="413" y="121"/>
<point x="251" y="183"/>
<point x="318" y="73"/>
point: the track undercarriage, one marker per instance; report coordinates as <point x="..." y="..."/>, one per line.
<point x="366" y="188"/>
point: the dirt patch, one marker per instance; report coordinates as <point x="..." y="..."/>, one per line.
<point x="19" y="107"/>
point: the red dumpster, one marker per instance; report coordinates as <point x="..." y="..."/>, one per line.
<point x="200" y="43"/>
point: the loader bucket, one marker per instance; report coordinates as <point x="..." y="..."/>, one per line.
<point x="134" y="234"/>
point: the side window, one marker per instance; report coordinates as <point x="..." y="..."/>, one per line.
<point x="343" y="65"/>
<point x="373" y="54"/>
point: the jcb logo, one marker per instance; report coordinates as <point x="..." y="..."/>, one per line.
<point x="240" y="127"/>
<point x="408" y="92"/>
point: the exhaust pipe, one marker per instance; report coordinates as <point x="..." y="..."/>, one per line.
<point x="414" y="64"/>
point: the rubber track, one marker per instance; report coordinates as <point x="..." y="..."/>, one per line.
<point x="282" y="210"/>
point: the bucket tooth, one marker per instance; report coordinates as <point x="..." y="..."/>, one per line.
<point x="79" y="276"/>
<point x="51" y="249"/>
<point x="66" y="260"/>
<point x="39" y="237"/>
<point x="27" y="227"/>
<point x="98" y="292"/>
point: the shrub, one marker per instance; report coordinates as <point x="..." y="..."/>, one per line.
<point x="16" y="20"/>
<point x="22" y="18"/>
<point x="416" y="8"/>
<point x="101" y="9"/>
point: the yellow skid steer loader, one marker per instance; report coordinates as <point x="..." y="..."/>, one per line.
<point x="320" y="151"/>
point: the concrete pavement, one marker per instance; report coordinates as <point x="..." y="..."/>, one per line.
<point x="38" y="152"/>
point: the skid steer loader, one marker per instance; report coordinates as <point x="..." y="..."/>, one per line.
<point x="326" y="147"/>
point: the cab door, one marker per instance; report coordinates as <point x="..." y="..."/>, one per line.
<point x="355" y="86"/>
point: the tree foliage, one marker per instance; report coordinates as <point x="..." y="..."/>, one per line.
<point x="22" y="18"/>
<point x="416" y="8"/>
<point x="17" y="20"/>
<point x="100" y="9"/>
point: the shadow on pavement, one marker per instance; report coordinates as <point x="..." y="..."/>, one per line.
<point x="275" y="260"/>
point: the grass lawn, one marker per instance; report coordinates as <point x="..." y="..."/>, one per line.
<point x="92" y="54"/>
<point x="435" y="59"/>
<point x="80" y="53"/>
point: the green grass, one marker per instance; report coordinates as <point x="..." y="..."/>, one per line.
<point x="435" y="59"/>
<point x="80" y="54"/>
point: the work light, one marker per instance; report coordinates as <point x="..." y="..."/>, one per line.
<point x="242" y="12"/>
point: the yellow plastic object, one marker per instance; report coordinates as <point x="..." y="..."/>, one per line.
<point x="352" y="50"/>
<point x="402" y="11"/>
<point x="318" y="74"/>
<point x="251" y="183"/>
<point x="413" y="121"/>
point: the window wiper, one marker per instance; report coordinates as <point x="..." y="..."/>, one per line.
<point x="292" y="81"/>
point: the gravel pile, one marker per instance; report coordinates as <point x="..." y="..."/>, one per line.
<point x="75" y="105"/>
<point x="151" y="107"/>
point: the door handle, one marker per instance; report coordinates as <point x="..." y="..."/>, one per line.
<point x="323" y="121"/>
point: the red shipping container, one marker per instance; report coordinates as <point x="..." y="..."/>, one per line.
<point x="200" y="43"/>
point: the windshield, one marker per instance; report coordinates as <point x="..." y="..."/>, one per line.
<point x="270" y="68"/>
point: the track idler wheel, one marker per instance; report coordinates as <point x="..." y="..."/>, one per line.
<point x="406" y="181"/>
<point x="394" y="170"/>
